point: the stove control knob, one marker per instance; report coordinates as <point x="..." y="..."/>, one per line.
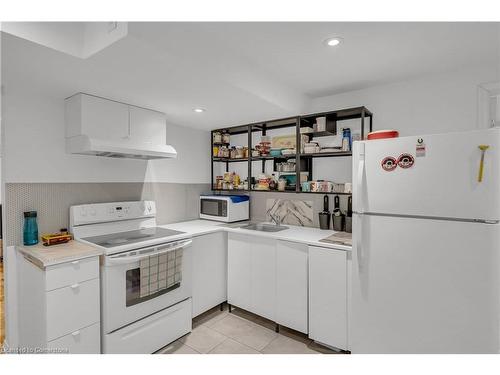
<point x="93" y="212"/>
<point x="83" y="212"/>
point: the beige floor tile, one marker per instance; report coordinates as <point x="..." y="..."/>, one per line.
<point x="203" y="339"/>
<point x="232" y="347"/>
<point x="245" y="332"/>
<point x="285" y="345"/>
<point x="177" y="347"/>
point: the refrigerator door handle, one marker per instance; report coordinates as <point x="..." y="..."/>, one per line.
<point x="360" y="179"/>
<point x="359" y="243"/>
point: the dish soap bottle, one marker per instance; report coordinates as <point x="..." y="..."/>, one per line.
<point x="30" y="230"/>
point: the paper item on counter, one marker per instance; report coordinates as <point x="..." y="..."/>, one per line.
<point x="339" y="238"/>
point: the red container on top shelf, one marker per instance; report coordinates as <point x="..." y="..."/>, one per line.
<point x="381" y="134"/>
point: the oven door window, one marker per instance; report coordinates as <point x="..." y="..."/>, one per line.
<point x="214" y="207"/>
<point x="156" y="275"/>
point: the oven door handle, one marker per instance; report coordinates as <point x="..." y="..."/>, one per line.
<point x="117" y="260"/>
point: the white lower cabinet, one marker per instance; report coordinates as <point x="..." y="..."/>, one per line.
<point x="291" y="285"/>
<point x="82" y="341"/>
<point x="251" y="282"/>
<point x="263" y="277"/>
<point x="269" y="278"/>
<point x="209" y="271"/>
<point x="328" y="296"/>
<point x="59" y="306"/>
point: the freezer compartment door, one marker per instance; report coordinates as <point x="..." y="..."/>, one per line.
<point x="424" y="286"/>
<point x="437" y="176"/>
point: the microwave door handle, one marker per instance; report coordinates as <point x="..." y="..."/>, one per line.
<point x="117" y="260"/>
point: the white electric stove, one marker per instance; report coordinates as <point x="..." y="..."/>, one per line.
<point x="145" y="275"/>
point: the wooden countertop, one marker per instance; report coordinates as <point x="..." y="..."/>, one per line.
<point x="45" y="256"/>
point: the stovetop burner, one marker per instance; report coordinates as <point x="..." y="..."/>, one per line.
<point x="131" y="237"/>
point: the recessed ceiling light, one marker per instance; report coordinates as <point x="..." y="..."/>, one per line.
<point x="199" y="110"/>
<point x="332" y="42"/>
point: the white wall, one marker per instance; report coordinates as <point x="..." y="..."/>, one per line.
<point x="34" y="148"/>
<point x="431" y="104"/>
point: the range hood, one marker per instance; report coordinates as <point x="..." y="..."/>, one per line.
<point x="84" y="145"/>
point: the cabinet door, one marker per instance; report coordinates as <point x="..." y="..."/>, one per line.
<point x="239" y="262"/>
<point x="291" y="285"/>
<point x="328" y="296"/>
<point x="104" y="119"/>
<point x="263" y="277"/>
<point x="209" y="271"/>
<point x="147" y="126"/>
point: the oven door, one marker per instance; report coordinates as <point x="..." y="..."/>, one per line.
<point x="139" y="283"/>
<point x="213" y="208"/>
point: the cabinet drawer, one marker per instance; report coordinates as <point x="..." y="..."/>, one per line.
<point x="83" y="341"/>
<point x="151" y="333"/>
<point x="71" y="308"/>
<point x="69" y="273"/>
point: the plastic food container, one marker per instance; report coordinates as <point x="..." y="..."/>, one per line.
<point x="382" y="134"/>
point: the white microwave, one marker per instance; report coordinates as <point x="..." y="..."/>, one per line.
<point x="227" y="208"/>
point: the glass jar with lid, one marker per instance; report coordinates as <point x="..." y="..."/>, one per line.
<point x="217" y="137"/>
<point x="226" y="137"/>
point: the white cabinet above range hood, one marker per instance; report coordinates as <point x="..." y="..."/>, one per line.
<point x="103" y="127"/>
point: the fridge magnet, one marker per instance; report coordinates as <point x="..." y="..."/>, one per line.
<point x="406" y="161"/>
<point x="389" y="163"/>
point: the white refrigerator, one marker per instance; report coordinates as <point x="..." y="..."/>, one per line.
<point x="426" y="244"/>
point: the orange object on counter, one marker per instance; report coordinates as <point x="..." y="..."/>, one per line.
<point x="56" y="238"/>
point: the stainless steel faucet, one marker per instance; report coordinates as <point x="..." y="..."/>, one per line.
<point x="276" y="219"/>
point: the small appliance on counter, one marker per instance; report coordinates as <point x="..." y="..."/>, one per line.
<point x="337" y="216"/>
<point x="324" y="217"/>
<point x="226" y="208"/>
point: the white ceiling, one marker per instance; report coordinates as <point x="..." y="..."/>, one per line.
<point x="244" y="72"/>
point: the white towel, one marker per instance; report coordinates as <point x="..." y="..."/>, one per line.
<point x="159" y="272"/>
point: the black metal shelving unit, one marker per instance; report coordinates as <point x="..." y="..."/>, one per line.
<point x="304" y="162"/>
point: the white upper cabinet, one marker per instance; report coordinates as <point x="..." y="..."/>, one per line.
<point x="96" y="117"/>
<point x="104" y="119"/>
<point x="147" y="126"/>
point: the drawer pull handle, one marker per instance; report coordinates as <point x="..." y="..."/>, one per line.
<point x="75" y="286"/>
<point x="75" y="262"/>
<point x="76" y="333"/>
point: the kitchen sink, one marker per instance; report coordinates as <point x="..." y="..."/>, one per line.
<point x="264" y="227"/>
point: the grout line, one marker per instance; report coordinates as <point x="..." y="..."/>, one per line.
<point x="216" y="346"/>
<point x="270" y="342"/>
<point x="189" y="346"/>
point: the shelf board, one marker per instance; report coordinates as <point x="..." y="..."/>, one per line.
<point x="298" y="192"/>
<point x="228" y="160"/>
<point x="255" y="158"/>
<point x="237" y="190"/>
<point x="326" y="154"/>
<point x="321" y="134"/>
